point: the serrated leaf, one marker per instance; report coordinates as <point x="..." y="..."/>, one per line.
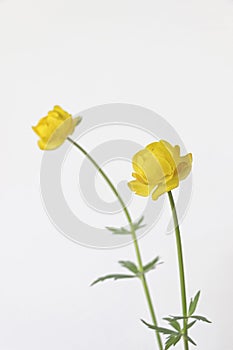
<point x="189" y="325"/>
<point x="130" y="266"/>
<point x="193" y="303"/>
<point x="151" y="265"/>
<point x="201" y="318"/>
<point x="160" y="329"/>
<point x="113" y="276"/>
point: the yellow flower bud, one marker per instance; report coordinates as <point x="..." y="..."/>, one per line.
<point x="158" y="168"/>
<point x="54" y="128"/>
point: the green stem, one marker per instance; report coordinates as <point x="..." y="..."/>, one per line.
<point x="133" y="233"/>
<point x="181" y="268"/>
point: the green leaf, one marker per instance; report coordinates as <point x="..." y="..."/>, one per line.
<point x="123" y="231"/>
<point x="168" y="319"/>
<point x="151" y="265"/>
<point x="201" y="318"/>
<point x="118" y="231"/>
<point x="190" y="340"/>
<point x="170" y="341"/>
<point x="178" y="317"/>
<point x="159" y="329"/>
<point x="137" y="225"/>
<point x="130" y="266"/>
<point x="113" y="276"/>
<point x="196" y="317"/>
<point x="193" y="303"/>
<point x="163" y="330"/>
<point x="174" y="323"/>
<point x="177" y="339"/>
<point x="189" y="325"/>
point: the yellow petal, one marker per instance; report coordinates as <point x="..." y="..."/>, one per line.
<point x="160" y="150"/>
<point x="164" y="187"/>
<point x="54" y="115"/>
<point x="184" y="167"/>
<point x="57" y="135"/>
<point x="139" y="178"/>
<point x="174" y="151"/>
<point x="54" y="128"/>
<point x="41" y="128"/>
<point x="49" y="146"/>
<point x="183" y="164"/>
<point x="138" y="162"/>
<point x="159" y="168"/>
<point x="139" y="188"/>
<point x="160" y="189"/>
<point x="62" y="114"/>
<point x="42" y="145"/>
<point x="150" y="168"/>
<point x="60" y="134"/>
<point x="163" y="156"/>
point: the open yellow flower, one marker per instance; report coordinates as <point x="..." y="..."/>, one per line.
<point x="54" y="128"/>
<point x="158" y="168"/>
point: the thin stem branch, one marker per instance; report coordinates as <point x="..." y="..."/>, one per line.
<point x="133" y="233"/>
<point x="181" y="268"/>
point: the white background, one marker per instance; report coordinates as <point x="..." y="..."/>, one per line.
<point x="175" y="57"/>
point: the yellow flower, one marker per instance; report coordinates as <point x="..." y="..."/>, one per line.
<point x="158" y="168"/>
<point x="54" y="128"/>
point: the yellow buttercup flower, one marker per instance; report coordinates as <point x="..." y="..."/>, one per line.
<point x="158" y="168"/>
<point x="54" y="128"/>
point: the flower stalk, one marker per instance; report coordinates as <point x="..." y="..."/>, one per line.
<point x="181" y="269"/>
<point x="134" y="237"/>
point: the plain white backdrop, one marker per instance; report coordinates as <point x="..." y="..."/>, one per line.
<point x="175" y="57"/>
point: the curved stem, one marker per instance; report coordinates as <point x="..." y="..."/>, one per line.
<point x="133" y="233"/>
<point x="181" y="268"/>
